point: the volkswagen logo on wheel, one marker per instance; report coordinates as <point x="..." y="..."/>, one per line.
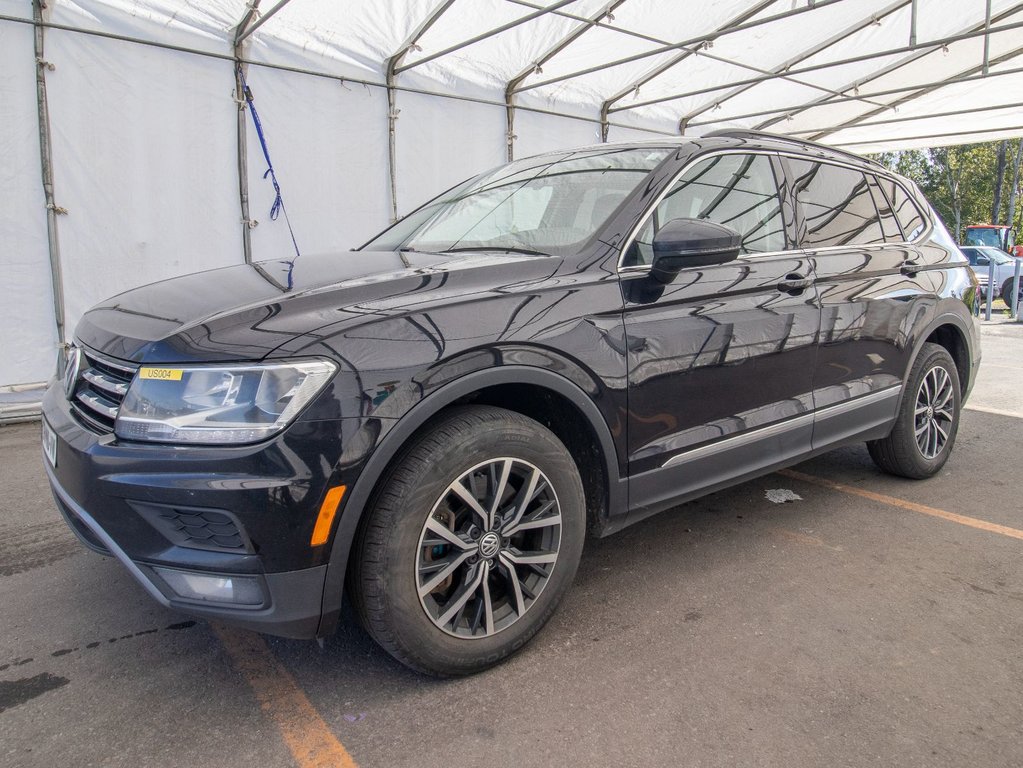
<point x="490" y="544"/>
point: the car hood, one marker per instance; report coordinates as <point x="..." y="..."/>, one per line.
<point x="246" y="312"/>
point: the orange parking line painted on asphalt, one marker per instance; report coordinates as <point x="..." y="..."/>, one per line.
<point x="309" y="738"/>
<point x="912" y="506"/>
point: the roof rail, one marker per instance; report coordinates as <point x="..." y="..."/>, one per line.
<point x="747" y="133"/>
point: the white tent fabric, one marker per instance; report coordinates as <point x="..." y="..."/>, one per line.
<point x="143" y="113"/>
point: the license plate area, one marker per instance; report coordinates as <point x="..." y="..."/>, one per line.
<point x="49" y="444"/>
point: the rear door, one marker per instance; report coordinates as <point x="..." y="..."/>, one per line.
<point x="720" y="359"/>
<point x="870" y="286"/>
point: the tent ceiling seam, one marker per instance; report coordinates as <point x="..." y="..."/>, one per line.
<point x="931" y="45"/>
<point x="789" y="63"/>
<point x="683" y="44"/>
<point x="925" y="50"/>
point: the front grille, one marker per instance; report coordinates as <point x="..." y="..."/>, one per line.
<point x="99" y="389"/>
<point x="196" y="527"/>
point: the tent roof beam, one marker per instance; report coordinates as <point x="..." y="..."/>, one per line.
<point x="930" y="45"/>
<point x="585" y="24"/>
<point x="683" y="44"/>
<point x="982" y="68"/>
<point x="928" y="116"/>
<point x="248" y="26"/>
<point x="801" y="57"/>
<point x="681" y="56"/>
<point x="483" y="36"/>
<point x="413" y="39"/>
<point x="839" y="100"/>
<point x="1014" y="130"/>
<point x="934" y="47"/>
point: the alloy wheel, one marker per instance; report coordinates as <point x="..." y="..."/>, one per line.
<point x="488" y="548"/>
<point x="933" y="415"/>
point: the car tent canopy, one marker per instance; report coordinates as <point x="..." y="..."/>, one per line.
<point x="130" y="152"/>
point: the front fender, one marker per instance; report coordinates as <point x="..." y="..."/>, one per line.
<point x="390" y="437"/>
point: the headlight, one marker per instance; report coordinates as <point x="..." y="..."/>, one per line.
<point x="218" y="404"/>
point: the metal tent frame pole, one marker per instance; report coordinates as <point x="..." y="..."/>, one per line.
<point x="929" y="116"/>
<point x="241" y="130"/>
<point x="483" y="36"/>
<point x="795" y="108"/>
<point x="801" y="57"/>
<point x="981" y="68"/>
<point x="923" y="50"/>
<point x="537" y="66"/>
<point x="930" y="46"/>
<point x="684" y="54"/>
<point x="46" y="166"/>
<point x="247" y="27"/>
<point x="390" y="69"/>
<point x="680" y="45"/>
<point x="1008" y="131"/>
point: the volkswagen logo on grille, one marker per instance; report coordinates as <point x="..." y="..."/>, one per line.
<point x="72" y="362"/>
<point x="490" y="543"/>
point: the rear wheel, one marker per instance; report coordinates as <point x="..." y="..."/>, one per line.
<point x="471" y="543"/>
<point x="1007" y="290"/>
<point x="928" y="419"/>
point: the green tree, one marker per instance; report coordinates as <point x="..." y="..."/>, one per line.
<point x="959" y="181"/>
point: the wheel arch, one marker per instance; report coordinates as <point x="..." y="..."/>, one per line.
<point x="948" y="330"/>
<point x="490" y="386"/>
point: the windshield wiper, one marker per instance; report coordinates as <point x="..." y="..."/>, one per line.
<point x="505" y="248"/>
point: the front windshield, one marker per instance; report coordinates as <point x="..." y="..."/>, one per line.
<point x="996" y="255"/>
<point x="543" y="205"/>
<point x="984" y="236"/>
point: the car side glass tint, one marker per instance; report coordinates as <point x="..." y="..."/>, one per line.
<point x="838" y="208"/>
<point x="889" y="224"/>
<point x="736" y="190"/>
<point x="905" y="209"/>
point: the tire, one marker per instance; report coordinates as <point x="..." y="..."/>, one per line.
<point x="1007" y="290"/>
<point x="933" y="382"/>
<point x="423" y="548"/>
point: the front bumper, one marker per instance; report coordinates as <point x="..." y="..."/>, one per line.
<point x="291" y="604"/>
<point x="256" y="506"/>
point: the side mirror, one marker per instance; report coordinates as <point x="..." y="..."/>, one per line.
<point x="684" y="243"/>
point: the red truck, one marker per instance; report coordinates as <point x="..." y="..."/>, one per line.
<point x="994" y="235"/>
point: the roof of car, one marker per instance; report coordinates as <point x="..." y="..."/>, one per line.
<point x="734" y="137"/>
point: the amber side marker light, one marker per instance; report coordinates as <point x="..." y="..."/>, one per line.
<point x="327" y="511"/>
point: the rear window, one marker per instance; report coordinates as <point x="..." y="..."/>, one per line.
<point x="838" y="208"/>
<point x="906" y="212"/>
<point x="889" y="224"/>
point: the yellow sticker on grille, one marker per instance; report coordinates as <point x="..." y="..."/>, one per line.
<point x="161" y="374"/>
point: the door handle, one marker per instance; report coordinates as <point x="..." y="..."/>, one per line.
<point x="794" y="283"/>
<point x="910" y="268"/>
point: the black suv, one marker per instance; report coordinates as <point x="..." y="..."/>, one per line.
<point x="566" y="344"/>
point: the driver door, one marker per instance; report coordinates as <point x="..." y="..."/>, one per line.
<point x="721" y="358"/>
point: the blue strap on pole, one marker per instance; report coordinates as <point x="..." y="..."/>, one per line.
<point x="278" y="204"/>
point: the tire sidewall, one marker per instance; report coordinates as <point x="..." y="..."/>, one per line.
<point x="931" y="356"/>
<point x="405" y="615"/>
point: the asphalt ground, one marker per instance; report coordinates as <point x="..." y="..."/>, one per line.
<point x="859" y="623"/>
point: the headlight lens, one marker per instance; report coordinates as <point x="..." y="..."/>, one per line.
<point x="218" y="404"/>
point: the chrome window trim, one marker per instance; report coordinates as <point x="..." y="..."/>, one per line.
<point x="827" y="412"/>
<point x="643" y="268"/>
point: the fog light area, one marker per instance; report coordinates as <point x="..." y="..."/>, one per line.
<point x="238" y="590"/>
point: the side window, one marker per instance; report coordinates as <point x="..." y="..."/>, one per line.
<point x="837" y="206"/>
<point x="905" y="209"/>
<point x="738" y="191"/>
<point x="889" y="224"/>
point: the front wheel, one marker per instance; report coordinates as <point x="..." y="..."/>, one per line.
<point x="928" y="419"/>
<point x="471" y="542"/>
